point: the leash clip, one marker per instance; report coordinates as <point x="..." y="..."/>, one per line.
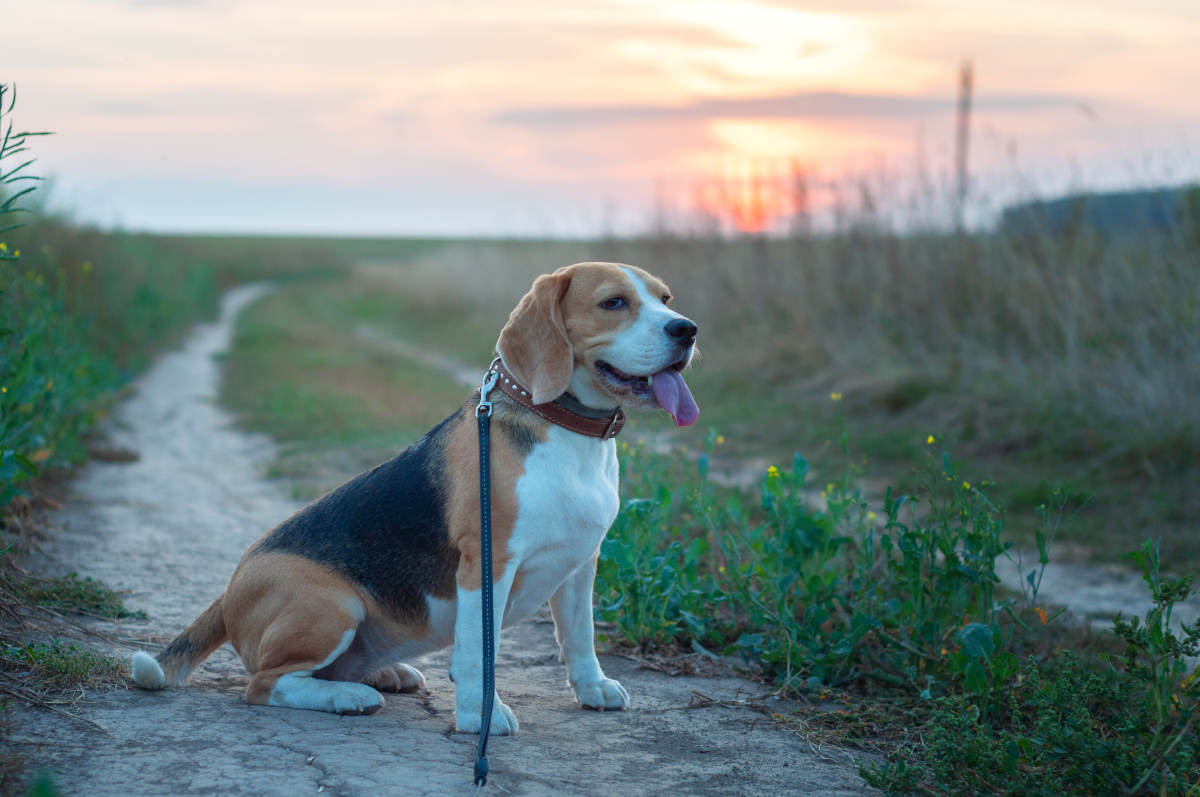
<point x="484" y="409"/>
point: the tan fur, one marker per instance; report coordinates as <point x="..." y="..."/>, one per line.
<point x="286" y="613"/>
<point x="534" y="341"/>
<point x="559" y="322"/>
<point x="462" y="491"/>
<point x="194" y="644"/>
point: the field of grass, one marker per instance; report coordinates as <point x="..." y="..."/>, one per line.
<point x="1049" y="364"/>
<point x="887" y="604"/>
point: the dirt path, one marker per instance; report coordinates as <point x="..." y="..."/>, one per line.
<point x="170" y="527"/>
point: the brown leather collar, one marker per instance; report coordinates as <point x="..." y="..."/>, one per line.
<point x="605" y="427"/>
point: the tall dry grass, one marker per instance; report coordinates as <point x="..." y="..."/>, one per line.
<point x="1080" y="340"/>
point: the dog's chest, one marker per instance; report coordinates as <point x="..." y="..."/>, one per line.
<point x="567" y="498"/>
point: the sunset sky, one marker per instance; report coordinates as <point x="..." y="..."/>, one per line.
<point x="568" y="118"/>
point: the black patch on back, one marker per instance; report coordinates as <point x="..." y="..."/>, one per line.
<point x="384" y="529"/>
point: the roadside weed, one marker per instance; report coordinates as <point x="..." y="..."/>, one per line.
<point x="59" y="664"/>
<point x="817" y="590"/>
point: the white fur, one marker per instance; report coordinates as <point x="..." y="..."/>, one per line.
<point x="300" y="690"/>
<point x="568" y="499"/>
<point x="572" y="610"/>
<point x="466" y="663"/>
<point x="643" y="347"/>
<point x="146" y="672"/>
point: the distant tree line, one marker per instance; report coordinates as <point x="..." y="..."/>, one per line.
<point x="1153" y="210"/>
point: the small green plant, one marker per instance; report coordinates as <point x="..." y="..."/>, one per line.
<point x="821" y="593"/>
<point x="59" y="664"/>
<point x="654" y="583"/>
<point x="72" y="594"/>
<point x="69" y="593"/>
<point x="1158" y="659"/>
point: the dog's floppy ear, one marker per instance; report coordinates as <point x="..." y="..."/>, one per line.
<point x="534" y="342"/>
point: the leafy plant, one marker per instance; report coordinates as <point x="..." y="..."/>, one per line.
<point x="817" y="592"/>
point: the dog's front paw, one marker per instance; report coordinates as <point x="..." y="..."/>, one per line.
<point x="504" y="722"/>
<point x="603" y="694"/>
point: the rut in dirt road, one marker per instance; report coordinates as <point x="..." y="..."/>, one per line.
<point x="170" y="527"/>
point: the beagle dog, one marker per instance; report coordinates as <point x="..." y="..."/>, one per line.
<point x="325" y="608"/>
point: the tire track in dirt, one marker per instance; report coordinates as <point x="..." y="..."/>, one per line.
<point x="169" y="528"/>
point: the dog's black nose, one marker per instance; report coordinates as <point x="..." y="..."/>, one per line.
<point x="681" y="330"/>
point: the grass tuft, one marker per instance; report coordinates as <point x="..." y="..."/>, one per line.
<point x="70" y="594"/>
<point x="59" y="665"/>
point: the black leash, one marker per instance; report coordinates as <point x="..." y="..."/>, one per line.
<point x="483" y="414"/>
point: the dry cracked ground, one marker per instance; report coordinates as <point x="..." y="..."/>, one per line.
<point x="168" y="529"/>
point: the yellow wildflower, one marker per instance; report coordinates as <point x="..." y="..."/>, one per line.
<point x="720" y="439"/>
<point x="929" y="440"/>
<point x="966" y="485"/>
<point x="4" y="389"/>
<point x="871" y="516"/>
<point x="835" y="396"/>
<point x="16" y="253"/>
<point x="3" y="246"/>
<point x="772" y="472"/>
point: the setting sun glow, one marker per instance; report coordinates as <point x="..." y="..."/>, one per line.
<point x="551" y="118"/>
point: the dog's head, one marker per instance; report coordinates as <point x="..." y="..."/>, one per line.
<point x="604" y="332"/>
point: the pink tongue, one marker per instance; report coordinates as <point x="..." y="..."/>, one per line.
<point x="674" y="397"/>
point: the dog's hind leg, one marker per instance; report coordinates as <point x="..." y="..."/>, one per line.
<point x="298" y="643"/>
<point x="396" y="678"/>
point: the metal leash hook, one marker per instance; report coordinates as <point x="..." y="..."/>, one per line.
<point x="483" y="414"/>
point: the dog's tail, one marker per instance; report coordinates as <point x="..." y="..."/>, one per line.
<point x="194" y="645"/>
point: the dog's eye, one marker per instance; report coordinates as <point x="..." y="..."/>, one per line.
<point x="613" y="303"/>
<point x="666" y="297"/>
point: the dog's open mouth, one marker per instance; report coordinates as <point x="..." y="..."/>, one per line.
<point x="666" y="387"/>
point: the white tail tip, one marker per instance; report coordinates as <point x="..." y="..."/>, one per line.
<point x="145" y="671"/>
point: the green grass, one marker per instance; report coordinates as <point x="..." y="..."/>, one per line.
<point x="336" y="404"/>
<point x="21" y="591"/>
<point x="81" y="311"/>
<point x="1047" y="361"/>
<point x="69" y="594"/>
<point x="59" y="665"/>
<point x="895" y="610"/>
